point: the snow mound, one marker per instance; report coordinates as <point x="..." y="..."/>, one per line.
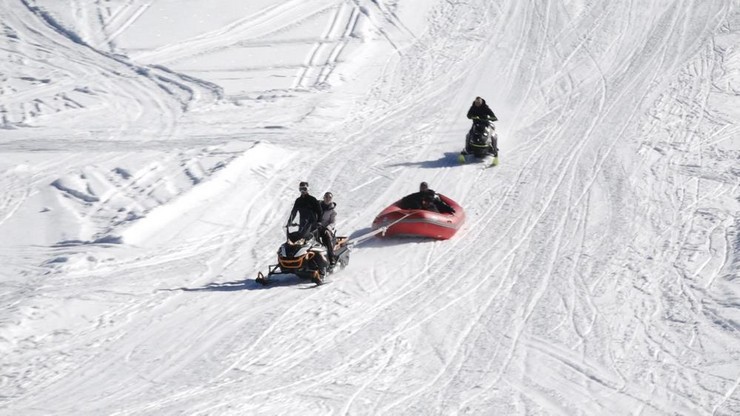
<point x="257" y="163"/>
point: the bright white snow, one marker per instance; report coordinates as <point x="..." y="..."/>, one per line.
<point x="150" y="152"/>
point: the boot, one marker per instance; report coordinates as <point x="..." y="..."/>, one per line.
<point x="318" y="277"/>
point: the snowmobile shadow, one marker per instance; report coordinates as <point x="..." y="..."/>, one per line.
<point x="283" y="280"/>
<point x="449" y="159"/>
<point x="247" y="284"/>
<point x="221" y="287"/>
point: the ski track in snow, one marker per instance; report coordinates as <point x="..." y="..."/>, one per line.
<point x="596" y="272"/>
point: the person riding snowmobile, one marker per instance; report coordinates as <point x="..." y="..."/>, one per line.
<point x="327" y="225"/>
<point x="480" y="109"/>
<point x="310" y="211"/>
<point x="482" y="117"/>
<point x="309" y="253"/>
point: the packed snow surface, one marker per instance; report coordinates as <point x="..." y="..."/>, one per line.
<point x="150" y="152"/>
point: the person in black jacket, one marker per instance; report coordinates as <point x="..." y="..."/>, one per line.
<point x="309" y="209"/>
<point x="480" y="109"/>
<point x="327" y="225"/>
<point x="425" y="199"/>
<point x="413" y="201"/>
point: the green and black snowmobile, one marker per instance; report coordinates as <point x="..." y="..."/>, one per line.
<point x="481" y="141"/>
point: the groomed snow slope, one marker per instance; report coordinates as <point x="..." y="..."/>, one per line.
<point x="150" y="153"/>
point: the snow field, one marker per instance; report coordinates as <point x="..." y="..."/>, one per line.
<point x="151" y="152"/>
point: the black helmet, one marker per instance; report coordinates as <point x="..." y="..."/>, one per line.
<point x="423" y="185"/>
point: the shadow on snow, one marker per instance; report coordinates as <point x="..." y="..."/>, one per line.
<point x="449" y="159"/>
<point x="246" y="284"/>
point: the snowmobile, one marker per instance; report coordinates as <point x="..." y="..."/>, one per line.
<point x="481" y="141"/>
<point x="306" y="257"/>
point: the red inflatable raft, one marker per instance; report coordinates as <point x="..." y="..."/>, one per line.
<point x="420" y="222"/>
